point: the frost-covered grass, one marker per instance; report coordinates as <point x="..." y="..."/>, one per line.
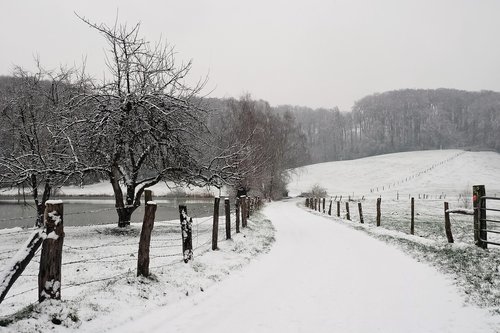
<point x="429" y="217"/>
<point x="99" y="284"/>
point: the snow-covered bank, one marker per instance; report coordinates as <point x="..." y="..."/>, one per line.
<point x="323" y="277"/>
<point x="104" y="189"/>
<point x="99" y="285"/>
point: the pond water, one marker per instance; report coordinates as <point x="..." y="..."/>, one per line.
<point x="80" y="211"/>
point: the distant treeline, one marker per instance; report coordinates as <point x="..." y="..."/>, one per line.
<point x="401" y="120"/>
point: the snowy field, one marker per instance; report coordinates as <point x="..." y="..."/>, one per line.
<point x="432" y="172"/>
<point x="431" y="177"/>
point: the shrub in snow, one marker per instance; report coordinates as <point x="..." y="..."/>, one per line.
<point x="318" y="191"/>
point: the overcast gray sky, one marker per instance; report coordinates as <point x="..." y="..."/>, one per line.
<point x="314" y="53"/>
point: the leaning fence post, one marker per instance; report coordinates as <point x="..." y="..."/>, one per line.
<point x="412" y="222"/>
<point x="360" y="209"/>
<point x="348" y="216"/>
<point x="215" y="227"/>
<point x="338" y="208"/>
<point x="19" y="261"/>
<point x="237" y="211"/>
<point x="378" y="211"/>
<point x="330" y="208"/>
<point x="187" y="233"/>
<point x="447" y="224"/>
<point x="49" y="275"/>
<point x="227" y="212"/>
<point x="478" y="191"/>
<point x="145" y="239"/>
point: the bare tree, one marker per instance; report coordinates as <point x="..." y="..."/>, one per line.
<point x="37" y="153"/>
<point x="145" y="125"/>
<point x="274" y="144"/>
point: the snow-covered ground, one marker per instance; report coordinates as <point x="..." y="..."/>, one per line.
<point x="323" y="277"/>
<point x="99" y="285"/>
<point x="322" y="274"/>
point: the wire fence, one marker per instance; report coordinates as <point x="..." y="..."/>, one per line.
<point x="106" y="253"/>
<point x="429" y="216"/>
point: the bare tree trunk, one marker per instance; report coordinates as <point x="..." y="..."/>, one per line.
<point x="40" y="207"/>
<point x="124" y="215"/>
<point x="124" y="211"/>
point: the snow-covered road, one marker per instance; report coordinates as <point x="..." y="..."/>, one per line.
<point x="321" y="276"/>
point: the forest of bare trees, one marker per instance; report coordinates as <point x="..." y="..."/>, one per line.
<point x="402" y="120"/>
<point x="274" y="141"/>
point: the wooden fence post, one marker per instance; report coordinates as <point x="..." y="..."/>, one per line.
<point x="412" y="222"/>
<point x="307" y="202"/>
<point x="227" y="212"/>
<point x="237" y="211"/>
<point x="479" y="191"/>
<point x="49" y="275"/>
<point x="215" y="227"/>
<point x="348" y="216"/>
<point x="324" y="205"/>
<point x="447" y="224"/>
<point x="330" y="208"/>
<point x="243" y="202"/>
<point x="360" y="209"/>
<point x="338" y="208"/>
<point x="187" y="233"/>
<point x="378" y="211"/>
<point x="145" y="239"/>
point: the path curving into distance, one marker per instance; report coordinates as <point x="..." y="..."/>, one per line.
<point x="321" y="276"/>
